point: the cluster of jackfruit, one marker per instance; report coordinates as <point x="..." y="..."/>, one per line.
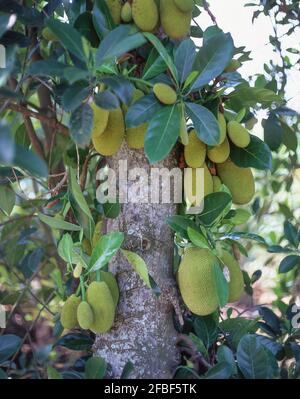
<point x="97" y="311"/>
<point x="173" y="15"/>
<point x="239" y="181"/>
<point x="197" y="283"/>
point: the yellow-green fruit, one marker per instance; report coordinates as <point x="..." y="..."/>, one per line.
<point x="165" y="94"/>
<point x="101" y="301"/>
<point x="77" y="271"/>
<point x="111" y="140"/>
<point x="185" y="5"/>
<point x="195" y="151"/>
<point x="184" y="136"/>
<point x="85" y="315"/>
<point x="126" y="13"/>
<point x="100" y="120"/>
<point x="135" y="136"/>
<point x="175" y="23"/>
<point x="220" y="153"/>
<point x="223" y="127"/>
<point x="112" y="284"/>
<point x="241" y="216"/>
<point x="68" y="315"/>
<point x="191" y="194"/>
<point x="236" y="284"/>
<point x="233" y="66"/>
<point x="240" y="181"/>
<point x="145" y="14"/>
<point x="115" y="8"/>
<point x="217" y="183"/>
<point x="197" y="282"/>
<point x="49" y="35"/>
<point x="238" y="134"/>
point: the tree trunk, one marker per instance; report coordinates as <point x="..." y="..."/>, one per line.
<point x="143" y="332"/>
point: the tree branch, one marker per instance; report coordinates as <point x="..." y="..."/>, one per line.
<point x="207" y="9"/>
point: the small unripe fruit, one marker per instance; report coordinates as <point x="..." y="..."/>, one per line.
<point x="223" y="127"/>
<point x="217" y="183"/>
<point x="219" y="153"/>
<point x="184" y="136"/>
<point x="85" y="315"/>
<point x="135" y="136"/>
<point x="100" y="120"/>
<point x="68" y="315"/>
<point x="236" y="284"/>
<point x="165" y="94"/>
<point x="100" y="299"/>
<point x="126" y="13"/>
<point x="175" y="23"/>
<point x="112" y="284"/>
<point x="77" y="271"/>
<point x="238" y="134"/>
<point x="115" y="10"/>
<point x="145" y="14"/>
<point x="195" y="151"/>
<point x="185" y="5"/>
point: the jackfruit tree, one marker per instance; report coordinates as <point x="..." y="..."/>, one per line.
<point x="88" y="85"/>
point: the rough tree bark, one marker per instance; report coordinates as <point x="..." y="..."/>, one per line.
<point x="143" y="332"/>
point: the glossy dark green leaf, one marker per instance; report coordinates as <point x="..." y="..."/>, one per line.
<point x="270" y="318"/>
<point x="9" y="344"/>
<point x="214" y="206"/>
<point x="127" y="370"/>
<point x="180" y="224"/>
<point x="221" y="371"/>
<point x="257" y="155"/>
<point x="225" y="354"/>
<point x="95" y="368"/>
<point x="184" y="59"/>
<point x="273" y="346"/>
<point x="246" y="236"/>
<point x="289" y="138"/>
<point x="84" y="25"/>
<point x="107" y="100"/>
<point x="7" y="199"/>
<point x="31" y="262"/>
<point x="246" y="96"/>
<point x="74" y="96"/>
<point x="112" y="211"/>
<point x="102" y="19"/>
<point x="142" y="111"/>
<point x="236" y="328"/>
<point x="273" y="132"/>
<point x="288" y="263"/>
<point x="76" y="342"/>
<point x="53" y="68"/>
<point x="162" y="133"/>
<point x="6" y="22"/>
<point x="212" y="58"/>
<point x="105" y="250"/>
<point x="155" y="65"/>
<point x="206" y="329"/>
<point x="291" y="233"/>
<point x="28" y="161"/>
<point x="81" y="125"/>
<point x="205" y="123"/>
<point x="120" y="86"/>
<point x="58" y="224"/>
<point x="197" y="238"/>
<point x="221" y="285"/>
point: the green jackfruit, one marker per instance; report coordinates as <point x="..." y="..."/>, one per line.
<point x="184" y="136"/>
<point x="115" y="8"/>
<point x="49" y="35"/>
<point x="112" y="284"/>
<point x="185" y="5"/>
<point x="77" y="271"/>
<point x="165" y="94"/>
<point x="219" y="153"/>
<point x="100" y="120"/>
<point x="238" y="134"/>
<point x="111" y="140"/>
<point x="135" y="136"/>
<point x="100" y="299"/>
<point x="195" y="151"/>
<point x="85" y="315"/>
<point x="236" y="284"/>
<point x="223" y="127"/>
<point x="175" y="23"/>
<point x="233" y="66"/>
<point x="68" y="315"/>
<point x="145" y="14"/>
<point x="196" y="281"/>
<point x="217" y="183"/>
<point x="190" y="192"/>
<point x="240" y="181"/>
<point x="126" y="13"/>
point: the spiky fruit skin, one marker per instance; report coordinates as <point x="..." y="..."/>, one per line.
<point x="238" y="134"/>
<point x="195" y="151"/>
<point x="196" y="281"/>
<point x="175" y="23"/>
<point x="219" y="153"/>
<point x="217" y="184"/>
<point x="233" y="66"/>
<point x="236" y="284"/>
<point x="135" y="136"/>
<point x="126" y="13"/>
<point x="145" y="14"/>
<point x="49" y="35"/>
<point x="165" y="94"/>
<point x="240" y="182"/>
<point x="111" y="139"/>
<point x="85" y="315"/>
<point x="100" y="299"/>
<point x="68" y="315"/>
<point x="190" y="192"/>
<point x="100" y="120"/>
<point x="115" y="9"/>
<point x="185" y="5"/>
<point x="223" y="127"/>
<point x="112" y="284"/>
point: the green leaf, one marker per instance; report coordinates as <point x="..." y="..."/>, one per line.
<point x="7" y="146"/>
<point x="121" y="87"/>
<point x="31" y="262"/>
<point x="291" y="233"/>
<point x="6" y="22"/>
<point x="29" y="162"/>
<point x="273" y="132"/>
<point x="3" y="375"/>
<point x="225" y="354"/>
<point x="246" y="236"/>
<point x="107" y="100"/>
<point x="74" y="95"/>
<point x="155" y="65"/>
<point x="58" y="224"/>
<point x="289" y="137"/>
<point x="53" y="68"/>
<point x="163" y="53"/>
<point x="7" y="199"/>
<point x="142" y="111"/>
<point x="184" y="59"/>
<point x="253" y="360"/>
<point x="236" y="328"/>
<point x="221" y="284"/>
<point x="221" y="371"/>
<point x="53" y="374"/>
<point x="288" y="263"/>
<point x="257" y="155"/>
<point x="127" y="370"/>
<point x="197" y="238"/>
<point x="102" y="19"/>
<point x="112" y="211"/>
<point x="119" y="41"/>
<point x="139" y="265"/>
<point x="76" y="342"/>
<point x="205" y="123"/>
<point x="180" y="224"/>
<point x="9" y="344"/>
<point x="105" y="250"/>
<point x="162" y="133"/>
<point x="206" y="328"/>
<point x="69" y="37"/>
<point x="65" y="248"/>
<point x="214" y="206"/>
<point x="95" y="368"/>
<point x="78" y="195"/>
<point x="81" y="125"/>
<point x="246" y="96"/>
<point x="213" y="58"/>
